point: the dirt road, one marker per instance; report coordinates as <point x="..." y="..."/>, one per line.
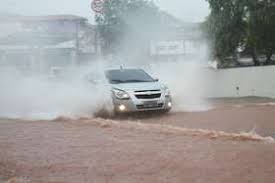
<point x="148" y="149"/>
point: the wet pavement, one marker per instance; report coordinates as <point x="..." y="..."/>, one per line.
<point x="208" y="147"/>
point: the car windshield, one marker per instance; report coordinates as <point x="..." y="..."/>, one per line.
<point x="128" y="76"/>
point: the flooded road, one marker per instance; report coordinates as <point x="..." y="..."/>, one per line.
<point x="255" y="118"/>
<point x="227" y="144"/>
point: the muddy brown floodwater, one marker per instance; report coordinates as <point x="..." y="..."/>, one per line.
<point x="199" y="147"/>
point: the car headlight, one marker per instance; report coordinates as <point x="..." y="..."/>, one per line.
<point x="122" y="95"/>
<point x="166" y="91"/>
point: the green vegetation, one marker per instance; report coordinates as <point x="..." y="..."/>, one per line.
<point x="247" y="25"/>
<point x="127" y="26"/>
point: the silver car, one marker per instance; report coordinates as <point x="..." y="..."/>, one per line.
<point x="134" y="90"/>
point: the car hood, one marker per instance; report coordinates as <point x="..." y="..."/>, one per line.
<point x="138" y="86"/>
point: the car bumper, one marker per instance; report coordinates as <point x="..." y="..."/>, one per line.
<point x="130" y="105"/>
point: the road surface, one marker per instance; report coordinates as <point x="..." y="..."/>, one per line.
<point x="197" y="147"/>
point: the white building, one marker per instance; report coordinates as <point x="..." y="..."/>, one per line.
<point x="178" y="41"/>
<point x="42" y="42"/>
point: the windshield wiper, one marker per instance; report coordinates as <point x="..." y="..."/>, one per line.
<point x="117" y="81"/>
<point x="129" y="81"/>
<point x="136" y="81"/>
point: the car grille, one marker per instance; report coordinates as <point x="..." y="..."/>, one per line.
<point x="148" y="96"/>
<point x="142" y="91"/>
<point x="152" y="106"/>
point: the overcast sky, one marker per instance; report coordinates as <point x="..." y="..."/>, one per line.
<point x="187" y="10"/>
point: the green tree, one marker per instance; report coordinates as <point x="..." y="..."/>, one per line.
<point x="246" y="23"/>
<point x="225" y="27"/>
<point x="261" y="28"/>
<point x="127" y="26"/>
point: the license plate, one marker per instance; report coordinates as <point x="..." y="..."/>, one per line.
<point x="150" y="103"/>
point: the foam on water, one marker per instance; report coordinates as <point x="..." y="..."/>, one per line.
<point x="168" y="129"/>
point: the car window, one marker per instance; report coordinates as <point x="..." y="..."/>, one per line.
<point x="128" y="76"/>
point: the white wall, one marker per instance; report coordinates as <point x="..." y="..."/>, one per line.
<point x="8" y="28"/>
<point x="252" y="81"/>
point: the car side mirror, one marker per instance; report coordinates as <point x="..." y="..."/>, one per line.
<point x="156" y="80"/>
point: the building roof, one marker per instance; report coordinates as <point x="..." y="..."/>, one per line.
<point x="18" y="18"/>
<point x="34" y="38"/>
